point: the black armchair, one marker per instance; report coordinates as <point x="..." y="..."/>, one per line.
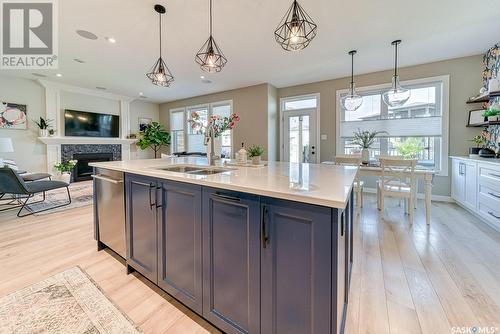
<point x="13" y="184"/>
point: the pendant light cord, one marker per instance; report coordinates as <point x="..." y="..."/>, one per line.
<point x="396" y="60"/>
<point x="352" y="74"/>
<point x="160" y="33"/>
<point x="210" y="18"/>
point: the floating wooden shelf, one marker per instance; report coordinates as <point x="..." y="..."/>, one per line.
<point x="484" y="124"/>
<point x="483" y="98"/>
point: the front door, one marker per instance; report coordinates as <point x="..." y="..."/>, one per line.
<point x="299" y="132"/>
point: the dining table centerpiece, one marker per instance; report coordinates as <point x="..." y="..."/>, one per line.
<point x="365" y="139"/>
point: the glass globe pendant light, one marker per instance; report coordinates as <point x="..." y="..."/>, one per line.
<point x="352" y="101"/>
<point x="210" y="56"/>
<point x="296" y="30"/>
<point x="160" y="75"/>
<point x="397" y="95"/>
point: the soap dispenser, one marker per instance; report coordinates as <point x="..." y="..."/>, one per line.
<point x="242" y="155"/>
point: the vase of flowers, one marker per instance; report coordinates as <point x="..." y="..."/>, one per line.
<point x="214" y="127"/>
<point x="64" y="169"/>
<point x="255" y="153"/>
<point x="365" y="139"/>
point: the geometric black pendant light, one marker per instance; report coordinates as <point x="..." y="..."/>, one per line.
<point x="159" y="74"/>
<point x="210" y="56"/>
<point x="296" y="30"/>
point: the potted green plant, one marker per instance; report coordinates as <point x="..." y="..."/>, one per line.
<point x="479" y="141"/>
<point x="154" y="137"/>
<point x="491" y="114"/>
<point x="65" y="168"/>
<point x="365" y="139"/>
<point x="255" y="153"/>
<point x="43" y="126"/>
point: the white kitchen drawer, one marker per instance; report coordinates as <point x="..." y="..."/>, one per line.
<point x="489" y="174"/>
<point x="489" y="211"/>
<point x="490" y="194"/>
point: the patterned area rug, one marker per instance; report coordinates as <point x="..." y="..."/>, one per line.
<point x="69" y="302"/>
<point x="81" y="195"/>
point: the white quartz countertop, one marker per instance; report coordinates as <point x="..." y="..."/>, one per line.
<point x="319" y="184"/>
<point x="478" y="159"/>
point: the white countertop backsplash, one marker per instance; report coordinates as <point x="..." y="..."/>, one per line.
<point x="319" y="184"/>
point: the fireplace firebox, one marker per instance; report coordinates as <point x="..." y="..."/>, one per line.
<point x="82" y="170"/>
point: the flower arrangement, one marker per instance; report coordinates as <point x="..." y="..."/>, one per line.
<point x="217" y="123"/>
<point x="65" y="167"/>
<point x="365" y="139"/>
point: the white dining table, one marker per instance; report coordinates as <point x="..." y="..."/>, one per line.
<point x="427" y="175"/>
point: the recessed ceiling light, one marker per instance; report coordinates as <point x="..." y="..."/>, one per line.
<point x="86" y="34"/>
<point x="202" y="77"/>
<point x="101" y="88"/>
<point x="110" y="39"/>
<point x="59" y="75"/>
<point x="39" y="75"/>
<point x="78" y="60"/>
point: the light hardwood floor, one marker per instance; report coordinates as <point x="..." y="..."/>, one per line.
<point x="406" y="279"/>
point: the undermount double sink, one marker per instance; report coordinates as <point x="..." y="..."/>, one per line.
<point x="195" y="170"/>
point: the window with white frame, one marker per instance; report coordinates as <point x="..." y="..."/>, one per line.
<point x="185" y="139"/>
<point x="418" y="128"/>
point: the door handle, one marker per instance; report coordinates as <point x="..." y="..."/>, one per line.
<point x="107" y="179"/>
<point x="264" y="233"/>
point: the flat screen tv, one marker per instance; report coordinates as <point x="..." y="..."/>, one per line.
<point x="89" y="124"/>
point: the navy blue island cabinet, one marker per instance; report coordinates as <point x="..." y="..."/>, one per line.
<point x="246" y="263"/>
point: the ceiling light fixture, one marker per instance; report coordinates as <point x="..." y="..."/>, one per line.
<point x="296" y="30"/>
<point x="160" y="75"/>
<point x="397" y="95"/>
<point x="110" y="39"/>
<point x="86" y="34"/>
<point x="58" y="75"/>
<point x="352" y="101"/>
<point x="210" y="56"/>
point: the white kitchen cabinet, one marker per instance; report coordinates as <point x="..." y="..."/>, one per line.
<point x="475" y="185"/>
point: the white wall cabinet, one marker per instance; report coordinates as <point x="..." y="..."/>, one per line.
<point x="475" y="185"/>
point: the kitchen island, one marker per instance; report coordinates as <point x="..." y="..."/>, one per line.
<point x="250" y="249"/>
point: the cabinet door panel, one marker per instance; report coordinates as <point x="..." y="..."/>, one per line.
<point x="231" y="266"/>
<point x="296" y="268"/>
<point x="470" y="192"/>
<point x="340" y="294"/>
<point x="141" y="225"/>
<point x="179" y="243"/>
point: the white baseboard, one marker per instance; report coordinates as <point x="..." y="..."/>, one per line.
<point x="436" y="198"/>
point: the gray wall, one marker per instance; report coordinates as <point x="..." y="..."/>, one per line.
<point x="252" y="104"/>
<point x="29" y="152"/>
<point x="138" y="109"/>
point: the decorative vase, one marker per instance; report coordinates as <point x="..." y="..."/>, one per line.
<point x="474" y="151"/>
<point x="64" y="177"/>
<point x="365" y="156"/>
<point x="256" y="160"/>
<point x="43" y="132"/>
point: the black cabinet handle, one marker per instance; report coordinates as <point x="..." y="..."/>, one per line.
<point x="264" y="236"/>
<point x="493" y="194"/>
<point x="151" y="187"/>
<point x="493" y="215"/>
<point x="342" y="222"/>
<point x="156" y="199"/>
<point x="226" y="197"/>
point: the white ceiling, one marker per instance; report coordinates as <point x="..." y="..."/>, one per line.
<point x="431" y="30"/>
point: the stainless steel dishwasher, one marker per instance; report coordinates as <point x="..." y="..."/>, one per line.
<point x="110" y="201"/>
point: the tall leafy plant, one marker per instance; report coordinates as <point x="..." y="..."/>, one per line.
<point x="365" y="139"/>
<point x="154" y="137"/>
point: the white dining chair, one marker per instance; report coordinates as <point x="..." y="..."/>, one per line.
<point x="397" y="180"/>
<point x="352" y="160"/>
